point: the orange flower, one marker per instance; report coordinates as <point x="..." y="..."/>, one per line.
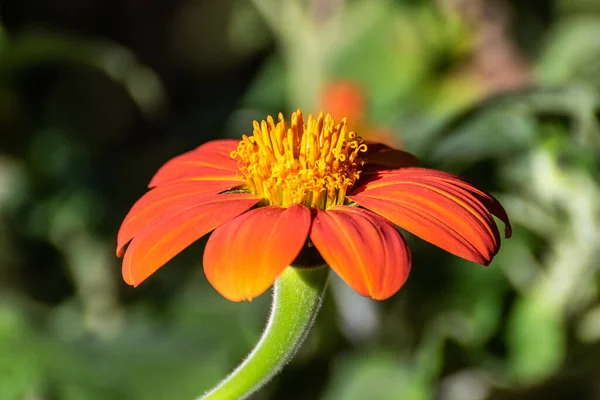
<point x="344" y="98"/>
<point x="304" y="185"/>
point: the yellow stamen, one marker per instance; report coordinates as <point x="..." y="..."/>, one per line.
<point x="314" y="163"/>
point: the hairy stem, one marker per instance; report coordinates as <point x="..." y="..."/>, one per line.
<point x="297" y="298"/>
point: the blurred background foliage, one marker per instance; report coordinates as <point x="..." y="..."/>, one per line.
<point x="95" y="95"/>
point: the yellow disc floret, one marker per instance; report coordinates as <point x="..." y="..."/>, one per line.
<point x="313" y="163"/>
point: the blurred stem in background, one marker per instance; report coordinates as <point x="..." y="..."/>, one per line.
<point x="307" y="34"/>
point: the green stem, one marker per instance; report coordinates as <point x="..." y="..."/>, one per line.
<point x="297" y="298"/>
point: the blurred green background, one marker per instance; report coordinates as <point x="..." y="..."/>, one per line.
<point x="96" y="94"/>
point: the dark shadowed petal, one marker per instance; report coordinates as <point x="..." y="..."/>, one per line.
<point x="165" y="199"/>
<point x="210" y="161"/>
<point x="244" y="257"/>
<point x="365" y="250"/>
<point x="167" y="236"/>
<point x="381" y="157"/>
<point x="440" y="208"/>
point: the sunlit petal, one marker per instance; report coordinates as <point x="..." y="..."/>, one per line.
<point x="167" y="236"/>
<point x="163" y="200"/>
<point x="439" y="208"/>
<point x="244" y="257"/>
<point x="210" y="161"/>
<point x="364" y="249"/>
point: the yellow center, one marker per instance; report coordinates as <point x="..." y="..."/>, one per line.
<point x="313" y="163"/>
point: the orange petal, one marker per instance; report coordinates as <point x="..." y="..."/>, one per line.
<point x="162" y="200"/>
<point x="365" y="250"/>
<point x="382" y="157"/>
<point x="210" y="161"/>
<point x="168" y="235"/>
<point x="243" y="258"/>
<point x="439" y="208"/>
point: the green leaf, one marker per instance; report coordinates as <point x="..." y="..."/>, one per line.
<point x="376" y="376"/>
<point x="494" y="133"/>
<point x="573" y="52"/>
<point x="20" y="369"/>
<point x="536" y="341"/>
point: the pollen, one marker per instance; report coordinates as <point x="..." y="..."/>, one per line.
<point x="314" y="163"/>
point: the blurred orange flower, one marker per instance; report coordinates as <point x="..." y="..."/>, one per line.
<point x="345" y="98"/>
<point x="298" y="184"/>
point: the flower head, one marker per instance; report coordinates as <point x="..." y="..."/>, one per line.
<point x="294" y="188"/>
<point x="311" y="163"/>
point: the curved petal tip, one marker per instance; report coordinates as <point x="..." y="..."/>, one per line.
<point x="164" y="238"/>
<point x="439" y="208"/>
